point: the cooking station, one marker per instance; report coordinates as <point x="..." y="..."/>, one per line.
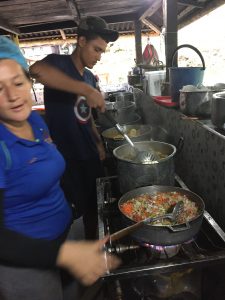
<point x="192" y="270"/>
<point x="156" y="272"/>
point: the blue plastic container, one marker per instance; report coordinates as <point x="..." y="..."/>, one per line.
<point x="180" y="76"/>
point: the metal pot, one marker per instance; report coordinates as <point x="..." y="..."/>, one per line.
<point x="119" y="95"/>
<point x="132" y="119"/>
<point x="196" y="103"/>
<point x="218" y="110"/>
<point x="129" y="119"/>
<point x="125" y="111"/>
<point x="124" y="96"/>
<point x="132" y="174"/>
<point x="144" y="132"/>
<point x="164" y="235"/>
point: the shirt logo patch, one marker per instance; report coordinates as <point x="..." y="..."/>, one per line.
<point x="82" y="110"/>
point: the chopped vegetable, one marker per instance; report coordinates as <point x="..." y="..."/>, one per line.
<point x="145" y="206"/>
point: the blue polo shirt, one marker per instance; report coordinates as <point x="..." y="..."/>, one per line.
<point x="34" y="204"/>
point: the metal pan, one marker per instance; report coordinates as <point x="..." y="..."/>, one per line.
<point x="110" y="136"/>
<point x="164" y="235"/>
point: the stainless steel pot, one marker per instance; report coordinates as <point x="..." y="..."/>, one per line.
<point x="119" y="95"/>
<point x="218" y="110"/>
<point x="129" y="119"/>
<point x="125" y="111"/>
<point x="196" y="103"/>
<point x="132" y="175"/>
<point x="144" y="133"/>
<point x="165" y="235"/>
<point x="124" y="96"/>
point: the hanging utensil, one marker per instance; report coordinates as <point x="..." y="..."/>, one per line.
<point x="140" y="156"/>
<point x="173" y="216"/>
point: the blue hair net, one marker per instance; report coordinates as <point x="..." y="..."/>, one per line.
<point x="10" y="50"/>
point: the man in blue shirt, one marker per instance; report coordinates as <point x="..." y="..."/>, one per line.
<point x="69" y="116"/>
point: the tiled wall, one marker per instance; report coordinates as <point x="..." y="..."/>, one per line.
<point x="201" y="162"/>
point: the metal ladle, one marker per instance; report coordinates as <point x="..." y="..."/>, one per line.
<point x="141" y="156"/>
<point x="177" y="210"/>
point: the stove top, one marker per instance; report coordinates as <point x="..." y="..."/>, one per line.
<point x="207" y="248"/>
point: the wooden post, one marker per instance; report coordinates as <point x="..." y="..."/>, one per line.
<point x="171" y="25"/>
<point x="138" y="44"/>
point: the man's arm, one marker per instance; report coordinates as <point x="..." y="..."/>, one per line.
<point x="99" y="144"/>
<point x="56" y="79"/>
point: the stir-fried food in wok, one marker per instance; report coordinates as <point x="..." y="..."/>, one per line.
<point x="144" y="206"/>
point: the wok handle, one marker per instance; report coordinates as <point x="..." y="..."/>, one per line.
<point x="125" y="231"/>
<point x="186" y="226"/>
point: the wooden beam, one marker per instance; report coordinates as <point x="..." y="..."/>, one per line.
<point x="184" y="12"/>
<point x="72" y="4"/>
<point x="47" y="26"/>
<point x="94" y="11"/>
<point x="8" y="27"/>
<point x="23" y="13"/>
<point x="210" y="6"/>
<point x="44" y="18"/>
<point x="171" y="25"/>
<point x="36" y="7"/>
<point x="27" y="2"/>
<point x="152" y="9"/>
<point x="62" y="33"/>
<point x="119" y="18"/>
<point x="138" y="43"/>
<point x="190" y="3"/>
<point x="151" y="25"/>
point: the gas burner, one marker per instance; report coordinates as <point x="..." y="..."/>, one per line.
<point x="162" y="252"/>
<point x="156" y="271"/>
<point x="170" y="286"/>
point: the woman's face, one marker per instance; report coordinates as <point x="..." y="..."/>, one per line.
<point x="15" y="93"/>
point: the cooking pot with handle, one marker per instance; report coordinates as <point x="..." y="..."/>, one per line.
<point x="218" y="110"/>
<point x="114" y="140"/>
<point x="164" y="235"/>
<point x="132" y="174"/>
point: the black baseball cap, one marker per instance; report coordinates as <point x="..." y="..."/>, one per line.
<point x="97" y="25"/>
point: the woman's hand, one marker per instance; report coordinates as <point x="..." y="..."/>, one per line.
<point x="86" y="260"/>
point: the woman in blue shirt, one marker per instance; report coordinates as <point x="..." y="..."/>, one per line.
<point x="34" y="215"/>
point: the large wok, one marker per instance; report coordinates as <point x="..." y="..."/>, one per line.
<point x="166" y="234"/>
